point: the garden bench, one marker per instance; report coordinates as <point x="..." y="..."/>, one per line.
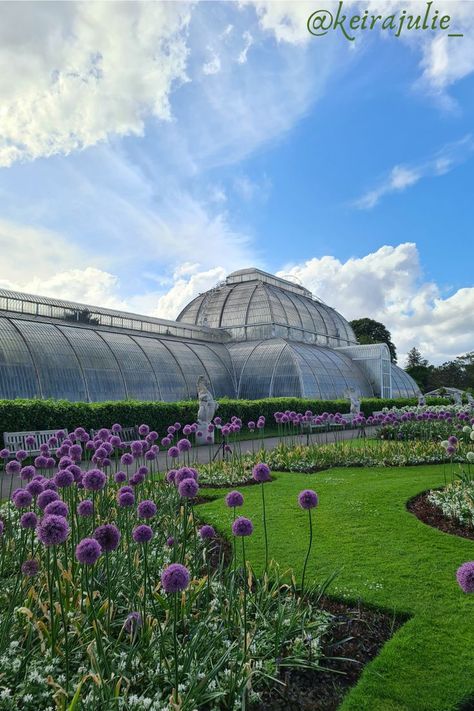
<point x="16" y="440"/>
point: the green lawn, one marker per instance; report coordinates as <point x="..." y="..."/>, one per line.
<point x="385" y="557"/>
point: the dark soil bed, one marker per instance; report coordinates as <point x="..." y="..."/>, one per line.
<point x="357" y="635"/>
<point x="433" y="516"/>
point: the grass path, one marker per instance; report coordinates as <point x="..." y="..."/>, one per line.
<point x="385" y="557"/>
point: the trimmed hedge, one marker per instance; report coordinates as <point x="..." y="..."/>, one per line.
<point x="25" y="415"/>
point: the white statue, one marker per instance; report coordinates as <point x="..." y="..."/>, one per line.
<point x="470" y="400"/>
<point x="421" y="400"/>
<point x="457" y="396"/>
<point x="353" y="396"/>
<point x="207" y="404"/>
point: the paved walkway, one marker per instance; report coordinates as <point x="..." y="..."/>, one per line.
<point x="204" y="453"/>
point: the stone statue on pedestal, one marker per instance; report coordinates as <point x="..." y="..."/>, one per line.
<point x="207" y="410"/>
<point x="354" y="397"/>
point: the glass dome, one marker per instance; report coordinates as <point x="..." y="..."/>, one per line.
<point x="251" y="305"/>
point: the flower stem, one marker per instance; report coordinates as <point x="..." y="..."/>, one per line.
<point x="308" y="551"/>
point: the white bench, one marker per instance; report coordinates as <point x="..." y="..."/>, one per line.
<point x="16" y="440"/>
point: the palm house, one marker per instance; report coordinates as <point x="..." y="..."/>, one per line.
<point x="252" y="336"/>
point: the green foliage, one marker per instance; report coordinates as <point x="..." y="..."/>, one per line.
<point x="369" y="331"/>
<point x="24" y="415"/>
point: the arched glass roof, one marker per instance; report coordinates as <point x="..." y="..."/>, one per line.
<point x="251" y="305"/>
<point x="57" y="360"/>
<point x="278" y="368"/>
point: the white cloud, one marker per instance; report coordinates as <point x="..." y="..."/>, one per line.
<point x="76" y="73"/>
<point x="404" y="176"/>
<point x="388" y="285"/>
<point x="213" y="66"/>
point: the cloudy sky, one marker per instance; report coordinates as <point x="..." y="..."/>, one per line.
<point x="147" y="150"/>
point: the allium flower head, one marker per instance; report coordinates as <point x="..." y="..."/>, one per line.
<point x="234" y="499"/>
<point x="58" y="508"/>
<point x="21" y="455"/>
<point x="88" y="551"/>
<point x="64" y="478"/>
<point x="142" y="533"/>
<point x="147" y="509"/>
<point x="28" y="472"/>
<point x="30" y="568"/>
<point x="173" y="452"/>
<point x="35" y="487"/>
<point x="207" y="532"/>
<point x="120" y="477"/>
<point x="171" y="476"/>
<point x="94" y="480"/>
<point x="184" y="445"/>
<point x="52" y="530"/>
<point x="127" y="459"/>
<point x="125" y="498"/>
<point x="242" y="526"/>
<point x="308" y="499"/>
<point x="261" y="472"/>
<point x="143" y="430"/>
<point x="85" y="508"/>
<point x="188" y="488"/>
<point x="13" y="467"/>
<point x="175" y="578"/>
<point x="29" y="440"/>
<point x="29" y="520"/>
<point x="22" y="498"/>
<point x="453" y="440"/>
<point x="107" y="536"/>
<point x="465" y="576"/>
<point x="170" y="541"/>
<point x="46" y="497"/>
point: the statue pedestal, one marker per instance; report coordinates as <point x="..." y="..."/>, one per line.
<point x="203" y="436"/>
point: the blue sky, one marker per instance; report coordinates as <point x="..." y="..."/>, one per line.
<point x="146" y="150"/>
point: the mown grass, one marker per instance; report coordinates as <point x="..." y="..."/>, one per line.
<point x="384" y="557"/>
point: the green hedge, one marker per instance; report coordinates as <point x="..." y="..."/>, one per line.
<point x="22" y="415"/>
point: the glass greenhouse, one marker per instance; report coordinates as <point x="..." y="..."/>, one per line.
<point x="254" y="335"/>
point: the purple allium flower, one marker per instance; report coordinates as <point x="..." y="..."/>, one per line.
<point x="28" y="472"/>
<point x="136" y="479"/>
<point x="234" y="499"/>
<point x="29" y="520"/>
<point x="185" y="473"/>
<point x="49" y="484"/>
<point x="85" y="508"/>
<point x="13" y="467"/>
<point x="46" y="497"/>
<point x="125" y="498"/>
<point x="88" y="551"/>
<point x="100" y="453"/>
<point x="30" y="568"/>
<point x="450" y="450"/>
<point x="217" y="420"/>
<point x="136" y="447"/>
<point x="116" y="428"/>
<point x="58" y="508"/>
<point x="453" y="440"/>
<point x="242" y="526"/>
<point x="125" y="488"/>
<point x="22" y="499"/>
<point x="120" y="477"/>
<point x="142" y="533"/>
<point x="171" y="430"/>
<point x="60" y="434"/>
<point x="184" y="445"/>
<point x="133" y="622"/>
<point x="143" y="430"/>
<point x="251" y="425"/>
<point x="4" y="453"/>
<point x="52" y="530"/>
<point x="166" y="441"/>
<point x="115" y="441"/>
<point x="171" y="476"/>
<point x="261" y="472"/>
<point x="64" y="478"/>
<point x="103" y="434"/>
<point x="35" y="487"/>
<point x="175" y="578"/>
<point x="170" y="542"/>
<point x="308" y="499"/>
<point x="187" y="430"/>
<point x="21" y="455"/>
<point x="465" y="577"/>
<point x="152" y="436"/>
<point x="108" y="536"/>
<point x="150" y="456"/>
<point x="147" y="509"/>
<point x="188" y="488"/>
<point x="207" y="532"/>
<point x="94" y="480"/>
<point x="29" y="440"/>
<point x="173" y="452"/>
<point x="76" y="472"/>
<point x="126" y="459"/>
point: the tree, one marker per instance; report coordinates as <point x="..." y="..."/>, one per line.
<point x="414" y="359"/>
<point x="369" y="331"/>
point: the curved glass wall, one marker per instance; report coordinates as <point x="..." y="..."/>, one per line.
<point x="40" y="359"/>
<point x="403" y="384"/>
<point x="276" y="368"/>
